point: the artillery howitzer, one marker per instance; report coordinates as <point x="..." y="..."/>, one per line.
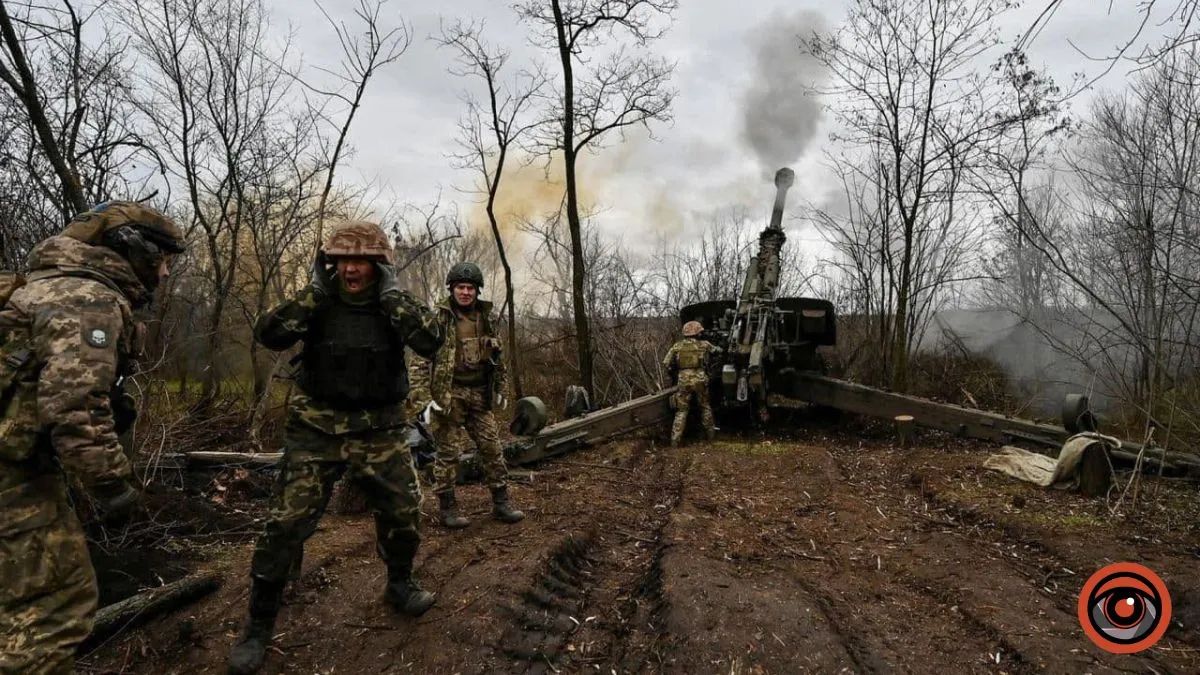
<point x="767" y="340"/>
<point x="771" y="356"/>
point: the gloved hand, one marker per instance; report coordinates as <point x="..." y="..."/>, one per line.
<point x="427" y="413"/>
<point x="321" y="283"/>
<point x="118" y="501"/>
<point x="391" y="291"/>
<point x="125" y="412"/>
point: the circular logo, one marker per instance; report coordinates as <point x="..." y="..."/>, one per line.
<point x="1124" y="608"/>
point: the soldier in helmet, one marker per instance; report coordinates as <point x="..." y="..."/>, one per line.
<point x="688" y="360"/>
<point x="67" y="338"/>
<point x="467" y="379"/>
<point x="348" y="417"/>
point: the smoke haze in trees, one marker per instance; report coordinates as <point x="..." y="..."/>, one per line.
<point x="780" y="116"/>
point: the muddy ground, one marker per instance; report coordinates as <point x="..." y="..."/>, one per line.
<point x="823" y="552"/>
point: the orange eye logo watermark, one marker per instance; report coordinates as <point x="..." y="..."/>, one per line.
<point x="1124" y="608"/>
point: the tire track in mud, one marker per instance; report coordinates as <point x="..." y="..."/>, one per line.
<point x="986" y="572"/>
<point x="597" y="598"/>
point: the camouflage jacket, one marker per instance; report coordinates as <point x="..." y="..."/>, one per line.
<point x="441" y="367"/>
<point x="288" y="323"/>
<point x="690" y="350"/>
<point x="74" y="323"/>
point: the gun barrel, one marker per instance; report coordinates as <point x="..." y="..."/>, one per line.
<point x="784" y="179"/>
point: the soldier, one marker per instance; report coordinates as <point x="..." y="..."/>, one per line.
<point x="688" y="360"/>
<point x="67" y="338"/>
<point x="467" y="378"/>
<point x="348" y="415"/>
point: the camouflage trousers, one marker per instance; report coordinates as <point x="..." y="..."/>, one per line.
<point x="693" y="384"/>
<point x="469" y="411"/>
<point x="379" y="464"/>
<point x="48" y="588"/>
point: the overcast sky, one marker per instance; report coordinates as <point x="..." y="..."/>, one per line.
<point x="653" y="189"/>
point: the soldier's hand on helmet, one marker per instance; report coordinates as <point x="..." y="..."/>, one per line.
<point x="119" y="502"/>
<point x="392" y="293"/>
<point x="321" y="283"/>
<point x="430" y="408"/>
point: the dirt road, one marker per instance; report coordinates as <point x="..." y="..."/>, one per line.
<point x="825" y="553"/>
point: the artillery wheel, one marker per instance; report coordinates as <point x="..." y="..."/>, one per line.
<point x="529" y="418"/>
<point x="1077" y="414"/>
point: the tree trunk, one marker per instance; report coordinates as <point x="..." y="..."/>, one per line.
<point x="514" y="367"/>
<point x="134" y="611"/>
<point x="73" y="200"/>
<point x="583" y="337"/>
<point x="900" y="327"/>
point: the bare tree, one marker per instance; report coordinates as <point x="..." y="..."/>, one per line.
<point x="600" y="92"/>
<point x="363" y="55"/>
<point x="213" y="96"/>
<point x="905" y="90"/>
<point x="69" y="128"/>
<point x="488" y="132"/>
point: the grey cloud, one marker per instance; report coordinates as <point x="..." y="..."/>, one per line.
<point x="780" y="117"/>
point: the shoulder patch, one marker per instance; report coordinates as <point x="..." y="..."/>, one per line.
<point x="96" y="337"/>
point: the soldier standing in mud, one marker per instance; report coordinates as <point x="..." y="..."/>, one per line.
<point x="348" y="415"/>
<point x="67" y="339"/>
<point x="467" y="379"/>
<point x="688" y="360"/>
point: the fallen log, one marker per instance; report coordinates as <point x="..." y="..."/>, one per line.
<point x="138" y="609"/>
<point x="233" y="458"/>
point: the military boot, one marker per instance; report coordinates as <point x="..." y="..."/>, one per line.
<point x="449" y="509"/>
<point x="502" y="510"/>
<point x="402" y="591"/>
<point x="248" y="654"/>
<point x="405" y="595"/>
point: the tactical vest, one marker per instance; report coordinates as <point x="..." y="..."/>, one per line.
<point x="353" y="358"/>
<point x="691" y="355"/>
<point x="473" y="351"/>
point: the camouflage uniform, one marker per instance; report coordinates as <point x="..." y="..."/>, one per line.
<point x="75" y="317"/>
<point x="324" y="441"/>
<point x="690" y="357"/>
<point x="467" y="406"/>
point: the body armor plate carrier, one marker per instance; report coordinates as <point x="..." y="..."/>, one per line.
<point x="353" y="358"/>
<point x="691" y="356"/>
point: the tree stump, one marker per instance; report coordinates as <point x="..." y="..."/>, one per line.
<point x="1095" y="472"/>
<point x="904" y="429"/>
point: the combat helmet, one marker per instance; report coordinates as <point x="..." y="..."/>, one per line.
<point x="140" y="234"/>
<point x="465" y="272"/>
<point x="692" y="329"/>
<point x="359" y="239"/>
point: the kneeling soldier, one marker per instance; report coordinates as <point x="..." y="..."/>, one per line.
<point x="348" y="415"/>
